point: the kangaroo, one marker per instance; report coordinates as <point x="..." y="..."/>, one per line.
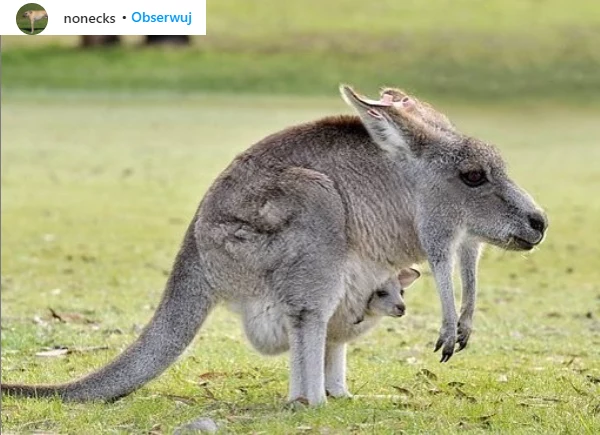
<point x="325" y="212"/>
<point x="265" y="325"/>
<point x="35" y="16"/>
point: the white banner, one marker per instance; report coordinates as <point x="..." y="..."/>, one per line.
<point x="107" y="17"/>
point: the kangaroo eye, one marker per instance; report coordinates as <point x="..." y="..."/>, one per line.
<point x="402" y="292"/>
<point x="473" y="178"/>
<point x="381" y="293"/>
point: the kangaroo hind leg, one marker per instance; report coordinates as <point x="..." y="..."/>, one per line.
<point x="308" y="276"/>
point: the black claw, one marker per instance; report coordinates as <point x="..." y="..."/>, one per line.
<point x="438" y="345"/>
<point x="461" y="345"/>
<point x="447" y="354"/>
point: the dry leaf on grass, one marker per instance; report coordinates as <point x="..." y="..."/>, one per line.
<point x="391" y="397"/>
<point x="403" y="390"/>
<point x="62" y="351"/>
<point x="579" y="390"/>
<point x="71" y="317"/>
<point x="53" y="353"/>
<point x="462" y="395"/>
<point x="156" y="430"/>
<point x="428" y="374"/>
<point x="538" y="400"/>
<point x="413" y="405"/>
<point x="593" y="379"/>
<point x="463" y="425"/>
<point x="208" y="394"/>
<point x="182" y="399"/>
<point x="485" y="418"/>
<point x="212" y="375"/>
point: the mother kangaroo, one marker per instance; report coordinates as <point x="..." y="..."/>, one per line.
<point x="323" y="213"/>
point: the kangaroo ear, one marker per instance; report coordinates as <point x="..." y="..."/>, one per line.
<point x="408" y="276"/>
<point x="382" y="119"/>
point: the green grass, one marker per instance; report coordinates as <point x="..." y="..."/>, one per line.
<point x="495" y="49"/>
<point x="97" y="192"/>
<point x="25" y="25"/>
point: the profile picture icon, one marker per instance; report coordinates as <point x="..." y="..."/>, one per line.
<point x="32" y="19"/>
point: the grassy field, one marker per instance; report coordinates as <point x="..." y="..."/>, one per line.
<point x="498" y="49"/>
<point x="97" y="192"/>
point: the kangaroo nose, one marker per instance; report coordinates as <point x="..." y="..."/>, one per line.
<point x="538" y="222"/>
<point x="400" y="309"/>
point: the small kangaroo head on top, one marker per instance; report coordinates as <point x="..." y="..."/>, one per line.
<point x="388" y="300"/>
<point x="461" y="184"/>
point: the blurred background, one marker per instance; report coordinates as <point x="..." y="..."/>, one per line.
<point x="467" y="49"/>
<point x="109" y="143"/>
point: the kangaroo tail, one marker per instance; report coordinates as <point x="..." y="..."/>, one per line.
<point x="186" y="303"/>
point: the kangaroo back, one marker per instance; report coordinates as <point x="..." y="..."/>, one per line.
<point x="184" y="307"/>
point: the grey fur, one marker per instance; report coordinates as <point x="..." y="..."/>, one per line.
<point x="266" y="327"/>
<point x="315" y="217"/>
<point x="340" y="330"/>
